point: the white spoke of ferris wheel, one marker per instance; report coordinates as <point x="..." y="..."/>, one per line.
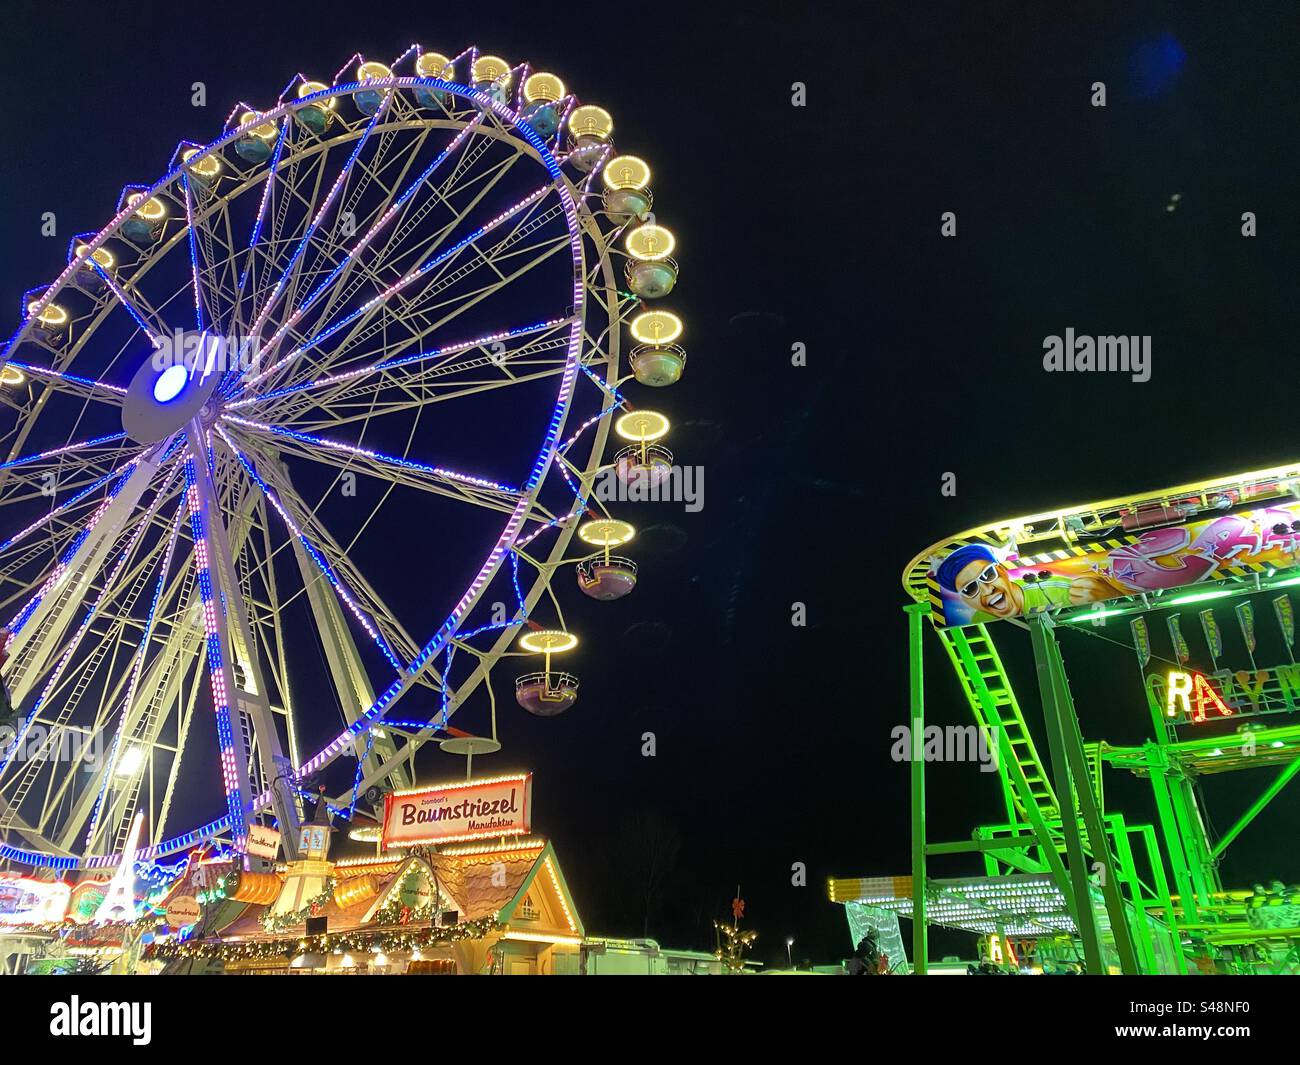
<point x="402" y="283"/>
<point x="105" y="593"/>
<point x="373" y="715"/>
<point x="222" y="604"/>
<point x="479" y="674"/>
<point x="220" y="281"/>
<point x="276" y="292"/>
<point x="438" y="642"/>
<point x="272" y="174"/>
<point x="137" y="668"/>
<point x="19" y="620"/>
<point x="371" y="272"/>
<point x="69" y="471"/>
<point x="370" y="234"/>
<point x="384" y="366"/>
<point x="61" y="508"/>
<point x="383" y="465"/>
<point x="136" y="712"/>
<point x="163" y="686"/>
<point x="72" y="383"/>
<point x="80" y="445"/>
<point x="213" y="259"/>
<point x="340" y="589"/>
<point x="130" y="305"/>
<point x="396" y="247"/>
<point x="308" y="520"/>
<point x="368" y="401"/>
<point x="194" y="253"/>
<point x="372" y="327"/>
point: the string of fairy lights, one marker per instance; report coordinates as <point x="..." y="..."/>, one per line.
<point x="387" y="939"/>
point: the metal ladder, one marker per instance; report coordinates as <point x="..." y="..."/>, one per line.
<point x="987" y="688"/>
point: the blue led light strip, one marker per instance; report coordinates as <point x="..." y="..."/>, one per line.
<point x="45" y="371"/>
<point x="361" y="452"/>
<point x="361" y="245"/>
<point x="237" y="817"/>
<point x="256" y="235"/>
<point x="63" y="450"/>
<point x="395" y="363"/>
<point x="194" y="253"/>
<point x="117" y="291"/>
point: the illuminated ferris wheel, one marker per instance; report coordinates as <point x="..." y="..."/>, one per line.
<point x="295" y="445"/>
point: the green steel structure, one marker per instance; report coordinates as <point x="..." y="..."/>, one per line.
<point x="1063" y="874"/>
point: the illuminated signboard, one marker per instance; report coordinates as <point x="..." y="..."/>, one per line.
<point x="1194" y="695"/>
<point x="24" y="901"/>
<point x="263" y="842"/>
<point x="479" y="809"/>
<point x="995" y="954"/>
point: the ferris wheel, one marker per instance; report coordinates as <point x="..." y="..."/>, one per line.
<point x="295" y="447"/>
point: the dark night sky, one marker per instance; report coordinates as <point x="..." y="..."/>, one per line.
<point x="818" y="225"/>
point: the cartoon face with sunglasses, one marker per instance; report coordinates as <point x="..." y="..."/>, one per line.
<point x="985" y="585"/>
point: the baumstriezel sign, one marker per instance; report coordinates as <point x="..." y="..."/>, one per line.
<point x="474" y="809"/>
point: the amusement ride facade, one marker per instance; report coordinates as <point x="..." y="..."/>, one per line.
<point x="1069" y="883"/>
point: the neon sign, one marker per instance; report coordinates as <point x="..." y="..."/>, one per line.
<point x="994" y="951"/>
<point x="24" y="901"/>
<point x="1195" y="694"/>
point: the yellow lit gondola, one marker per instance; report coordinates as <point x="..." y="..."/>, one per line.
<point x="651" y="269"/>
<point x="146" y="220"/>
<point x="491" y="75"/>
<point x="590" y="128"/>
<point x="542" y="93"/>
<point x="316" y="116"/>
<point x="369" y="100"/>
<point x="257" y="143"/>
<point x="627" y="187"/>
<point x="49" y="324"/>
<point x="433" y="65"/>
<point x="547" y="693"/>
<point x="87" y="277"/>
<point x="201" y="172"/>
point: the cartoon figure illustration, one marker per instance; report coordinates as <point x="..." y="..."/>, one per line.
<point x="985" y="585"/>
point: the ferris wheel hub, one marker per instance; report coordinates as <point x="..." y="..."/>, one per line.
<point x="173" y="386"/>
